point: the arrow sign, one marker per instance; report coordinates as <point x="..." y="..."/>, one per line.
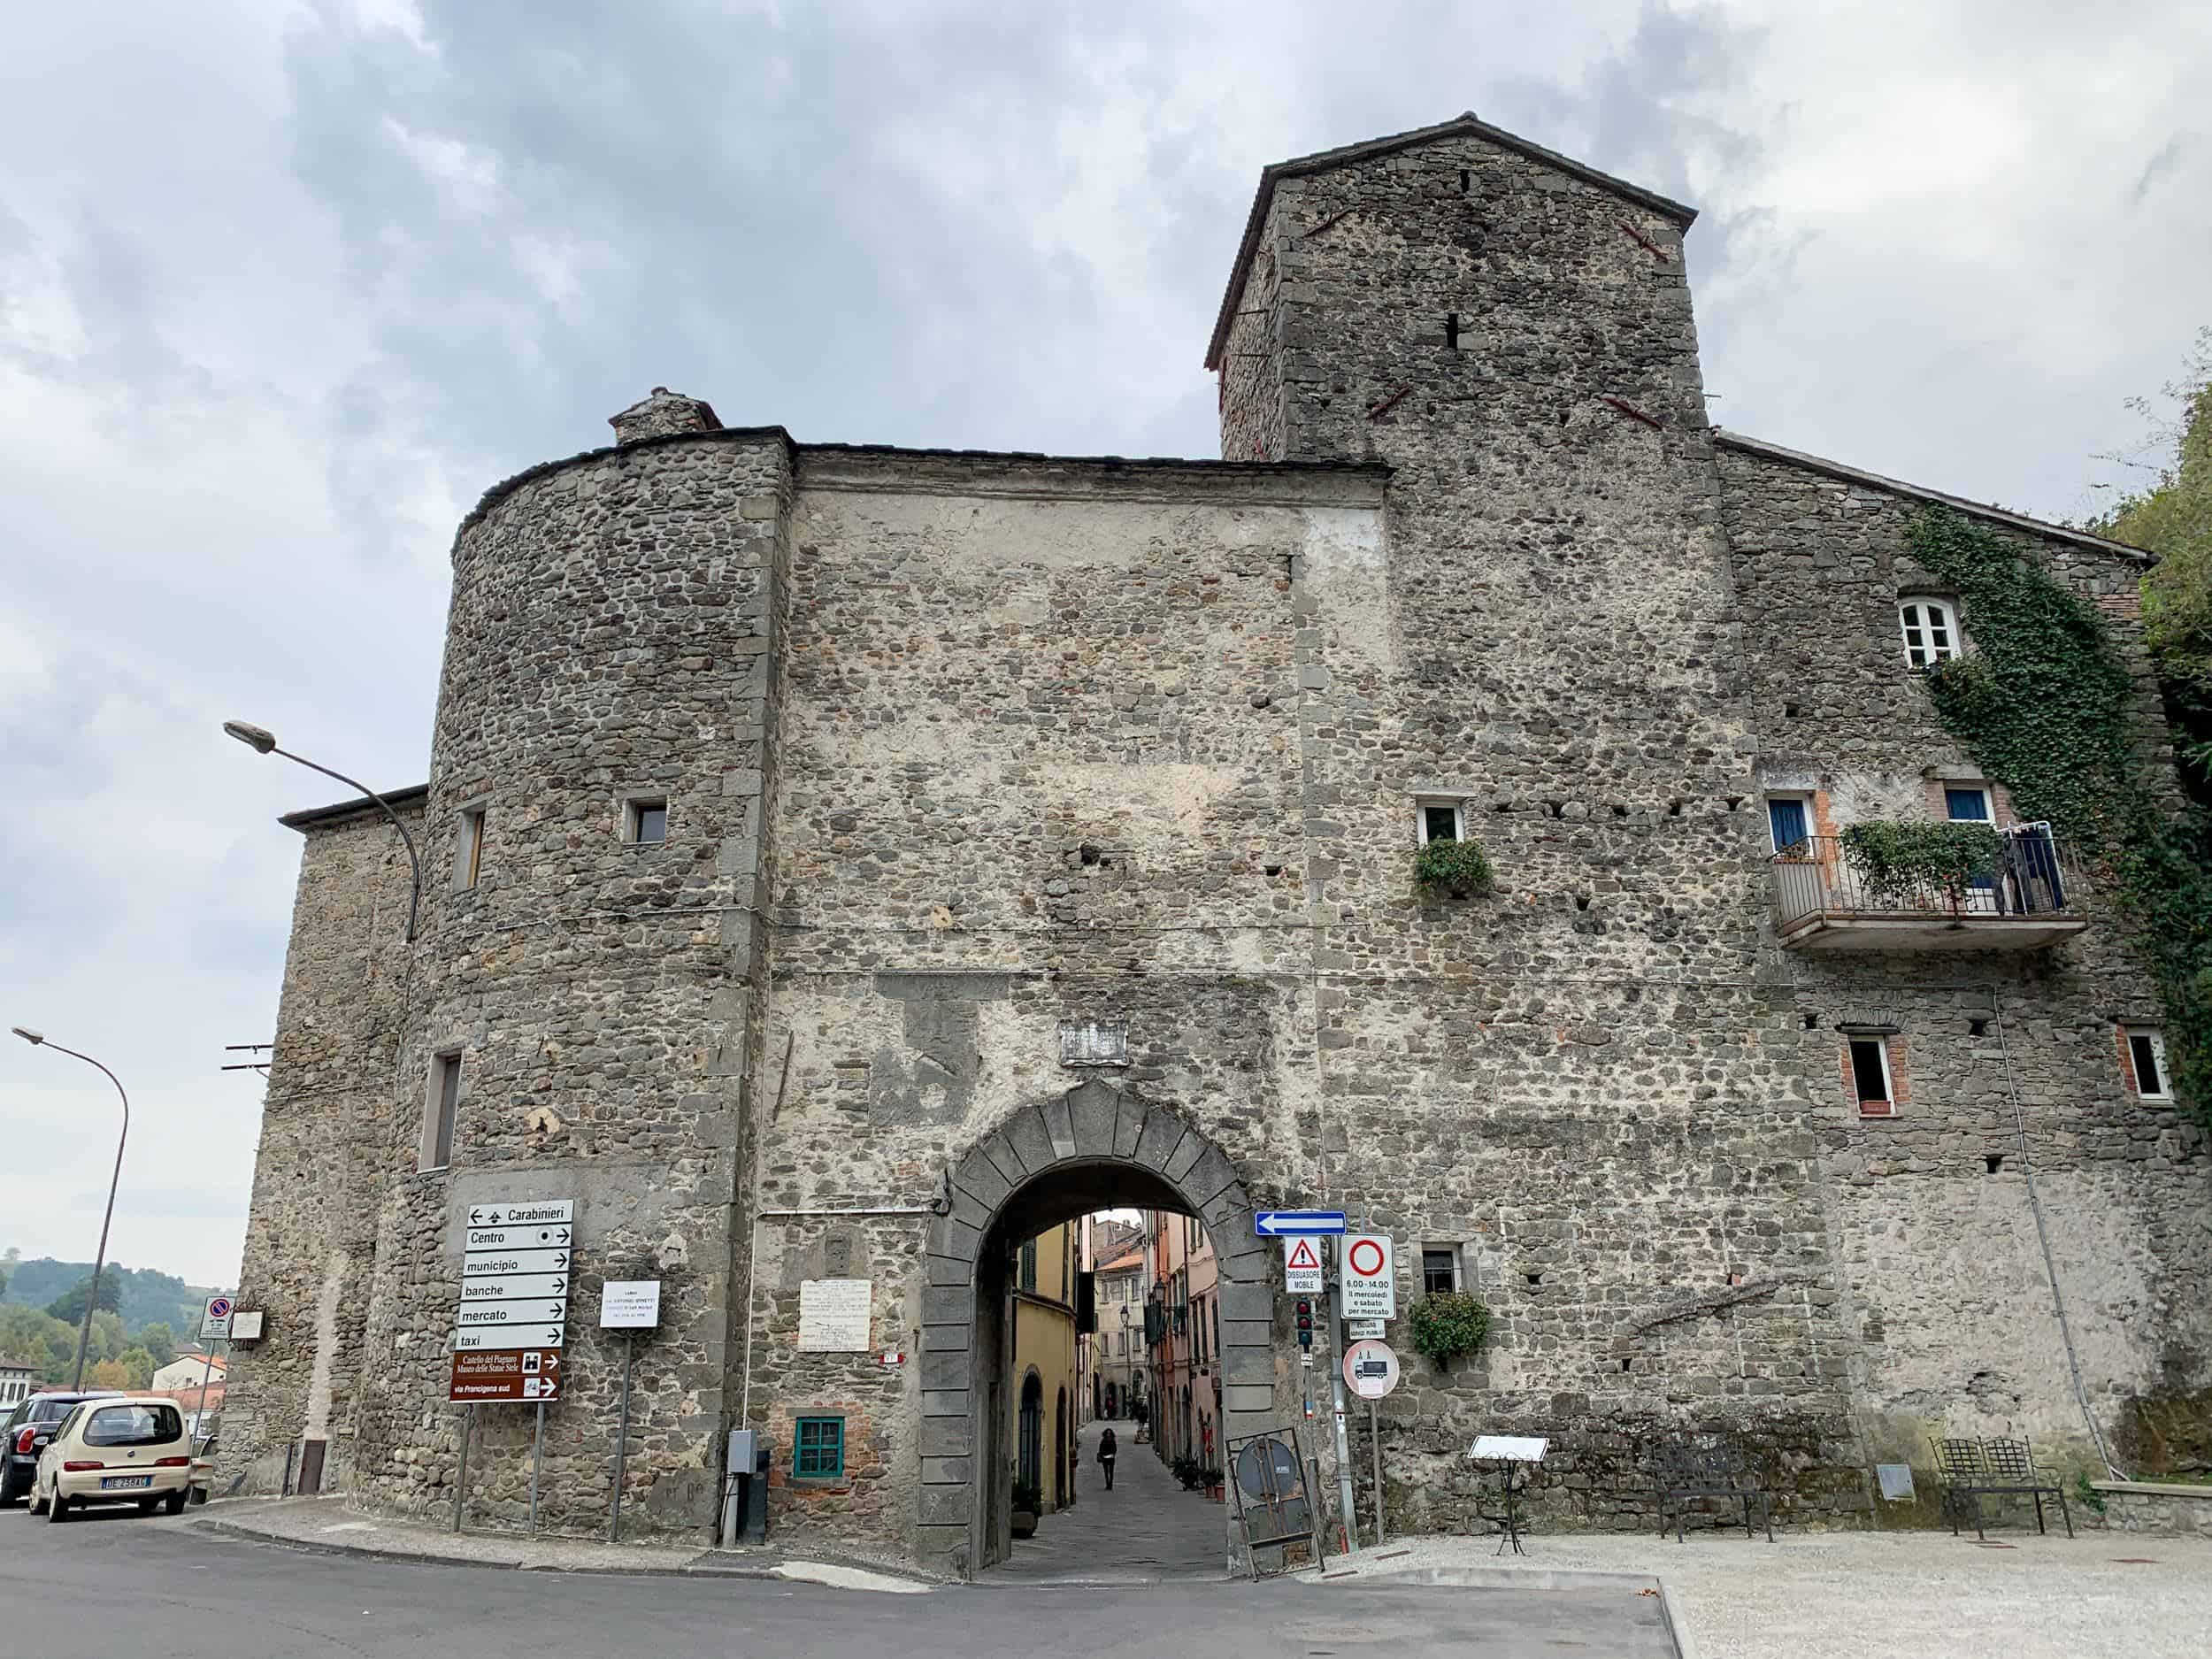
<point x="505" y="1262"/>
<point x="473" y="1338"/>
<point x="1274" y="1224"/>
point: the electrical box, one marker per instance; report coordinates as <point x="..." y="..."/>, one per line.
<point x="744" y="1447"/>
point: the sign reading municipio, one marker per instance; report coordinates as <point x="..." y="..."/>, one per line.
<point x="526" y="1375"/>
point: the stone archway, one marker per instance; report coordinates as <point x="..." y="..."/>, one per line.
<point x="1093" y="1147"/>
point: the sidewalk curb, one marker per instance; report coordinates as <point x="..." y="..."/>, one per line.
<point x="705" y="1566"/>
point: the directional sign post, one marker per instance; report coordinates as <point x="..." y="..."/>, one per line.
<point x="513" y="1320"/>
<point x="1302" y="1267"/>
<point x="1275" y="1224"/>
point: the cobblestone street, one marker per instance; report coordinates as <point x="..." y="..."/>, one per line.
<point x="1148" y="1527"/>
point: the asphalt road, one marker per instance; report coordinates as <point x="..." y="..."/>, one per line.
<point x="113" y="1582"/>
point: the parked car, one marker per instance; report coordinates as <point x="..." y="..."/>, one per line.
<point x="29" y="1426"/>
<point x="124" y="1449"/>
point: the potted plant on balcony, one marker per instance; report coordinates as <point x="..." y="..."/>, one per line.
<point x="1459" y="868"/>
<point x="1028" y="1500"/>
<point x="1907" y="866"/>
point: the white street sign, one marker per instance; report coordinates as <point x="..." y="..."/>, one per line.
<point x="513" y="1287"/>
<point x="527" y="1213"/>
<point x="1302" y="1266"/>
<point x="1364" y="1330"/>
<point x="1371" y="1370"/>
<point x="483" y="1238"/>
<point x="1371" y="1292"/>
<point x="215" y="1318"/>
<point x="501" y="1263"/>
<point x="533" y="1311"/>
<point x="508" y="1336"/>
<point x="630" y="1304"/>
<point x="515" y="1278"/>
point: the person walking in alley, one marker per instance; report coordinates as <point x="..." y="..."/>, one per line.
<point x="1106" y="1457"/>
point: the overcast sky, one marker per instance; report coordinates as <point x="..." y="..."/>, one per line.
<point x="284" y="286"/>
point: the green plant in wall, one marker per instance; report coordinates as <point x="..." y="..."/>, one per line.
<point x="1455" y="867"/>
<point x="1898" y="861"/>
<point x="2046" y="706"/>
<point x="1447" y="1324"/>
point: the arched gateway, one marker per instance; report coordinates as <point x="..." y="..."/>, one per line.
<point x="1093" y="1147"/>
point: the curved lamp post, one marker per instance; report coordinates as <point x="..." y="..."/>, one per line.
<point x="92" y="1298"/>
<point x="264" y="742"/>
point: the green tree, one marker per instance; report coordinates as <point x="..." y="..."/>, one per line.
<point x="2173" y="518"/>
<point x="159" y="1340"/>
<point x="69" y="1306"/>
<point x="138" y="1366"/>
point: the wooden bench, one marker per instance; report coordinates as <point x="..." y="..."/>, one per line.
<point x="1970" y="1469"/>
<point x="1712" y="1467"/>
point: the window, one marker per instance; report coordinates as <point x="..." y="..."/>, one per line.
<point x="2146" y="1058"/>
<point x="1967" y="804"/>
<point x="1028" y="1272"/>
<point x="1869" y="1077"/>
<point x="468" y="849"/>
<point x="645" y="823"/>
<point x="818" y="1448"/>
<point x="1442" y="821"/>
<point x="1932" y="631"/>
<point x="1789" y="819"/>
<point x="1439" y="1269"/>
<point x="133" y="1425"/>
<point x="445" y="1099"/>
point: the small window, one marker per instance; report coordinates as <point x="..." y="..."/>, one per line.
<point x="1869" y="1077"/>
<point x="445" y="1100"/>
<point x="1442" y="821"/>
<point x="2147" y="1051"/>
<point x="468" y="850"/>
<point x="1029" y="1265"/>
<point x="817" y="1451"/>
<point x="1439" y="1269"/>
<point x="1789" y="820"/>
<point x="1932" y="631"/>
<point x="648" y="822"/>
<point x="1967" y="804"/>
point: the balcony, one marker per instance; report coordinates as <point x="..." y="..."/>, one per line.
<point x="2032" y="897"/>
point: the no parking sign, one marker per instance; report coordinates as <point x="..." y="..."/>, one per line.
<point x="215" y="1320"/>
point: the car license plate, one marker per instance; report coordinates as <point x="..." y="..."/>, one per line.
<point x="123" y="1483"/>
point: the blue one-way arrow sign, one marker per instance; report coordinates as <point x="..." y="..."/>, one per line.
<point x="1274" y="1224"/>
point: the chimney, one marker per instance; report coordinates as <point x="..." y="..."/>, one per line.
<point x="660" y="414"/>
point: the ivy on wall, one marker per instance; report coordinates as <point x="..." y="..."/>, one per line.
<point x="2046" y="707"/>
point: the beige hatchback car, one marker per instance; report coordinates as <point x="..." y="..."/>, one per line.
<point x="111" y="1450"/>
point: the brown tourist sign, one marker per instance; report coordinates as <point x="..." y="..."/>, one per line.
<point x="490" y="1377"/>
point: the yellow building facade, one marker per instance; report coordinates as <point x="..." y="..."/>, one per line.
<point x="1046" y="1386"/>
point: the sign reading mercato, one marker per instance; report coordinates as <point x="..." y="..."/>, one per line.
<point x="513" y="1320"/>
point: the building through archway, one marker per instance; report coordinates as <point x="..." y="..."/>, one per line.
<point x="1094" y="1147"/>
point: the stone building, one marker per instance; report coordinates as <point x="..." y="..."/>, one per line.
<point x="846" y="863"/>
<point x="1115" y="1250"/>
<point x="1047" y="1378"/>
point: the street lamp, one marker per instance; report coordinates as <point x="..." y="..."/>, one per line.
<point x="263" y="741"/>
<point x="92" y="1298"/>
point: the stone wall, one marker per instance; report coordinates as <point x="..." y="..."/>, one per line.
<point x="2014" y="1076"/>
<point x="318" y="1172"/>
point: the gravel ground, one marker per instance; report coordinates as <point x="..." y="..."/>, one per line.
<point x="1866" y="1595"/>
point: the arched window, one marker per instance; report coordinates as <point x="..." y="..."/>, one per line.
<point x="1931" y="627"/>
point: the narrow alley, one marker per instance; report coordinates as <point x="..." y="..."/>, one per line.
<point x="1147" y="1528"/>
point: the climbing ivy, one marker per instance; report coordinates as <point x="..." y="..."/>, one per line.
<point x="2046" y="705"/>
<point x="1895" y="862"/>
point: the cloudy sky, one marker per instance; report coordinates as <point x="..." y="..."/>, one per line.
<point x="283" y="286"/>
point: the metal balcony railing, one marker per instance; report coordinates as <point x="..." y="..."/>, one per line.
<point x="2035" y="879"/>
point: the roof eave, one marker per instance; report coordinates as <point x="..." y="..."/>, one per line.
<point x="1920" y="492"/>
<point x="324" y="816"/>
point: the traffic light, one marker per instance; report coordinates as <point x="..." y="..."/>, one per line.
<point x="1305" y="1322"/>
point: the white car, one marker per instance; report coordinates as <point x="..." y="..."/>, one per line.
<point x="115" y="1450"/>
